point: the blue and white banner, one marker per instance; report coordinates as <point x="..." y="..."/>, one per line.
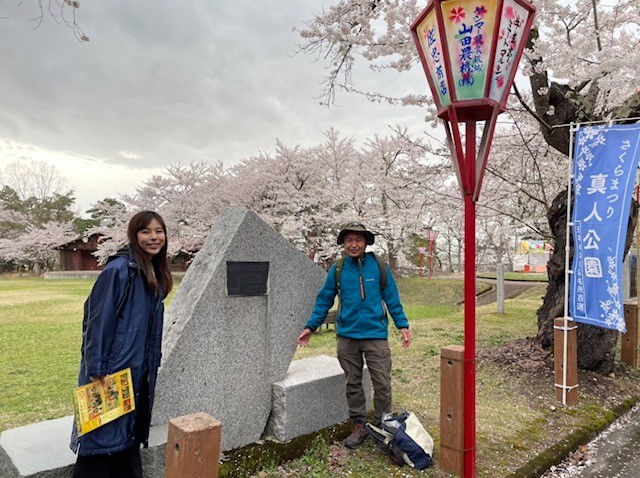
<point x="604" y="172"/>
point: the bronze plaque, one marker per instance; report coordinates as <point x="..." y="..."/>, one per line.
<point x="247" y="278"/>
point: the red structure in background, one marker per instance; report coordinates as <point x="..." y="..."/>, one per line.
<point x="77" y="255"/>
<point x="470" y="51"/>
<point x="421" y="251"/>
<point x="432" y="236"/>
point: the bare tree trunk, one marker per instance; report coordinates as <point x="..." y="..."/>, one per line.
<point x="450" y="254"/>
<point x="596" y="345"/>
<point x="393" y="258"/>
<point x="576" y="103"/>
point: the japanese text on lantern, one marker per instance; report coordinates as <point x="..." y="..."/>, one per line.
<point x="432" y="48"/>
<point x="471" y="40"/>
<point x="435" y="56"/>
<point x="508" y="39"/>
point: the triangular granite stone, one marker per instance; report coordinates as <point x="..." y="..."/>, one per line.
<point x="221" y="353"/>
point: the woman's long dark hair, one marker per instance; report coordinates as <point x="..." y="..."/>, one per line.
<point x="156" y="269"/>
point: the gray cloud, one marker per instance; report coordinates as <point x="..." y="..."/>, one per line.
<point x="166" y="81"/>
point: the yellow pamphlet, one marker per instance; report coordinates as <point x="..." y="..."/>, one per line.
<point x="96" y="405"/>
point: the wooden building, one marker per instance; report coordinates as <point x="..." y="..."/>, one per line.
<point x="77" y="255"/>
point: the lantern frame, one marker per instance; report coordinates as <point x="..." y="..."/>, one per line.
<point x="451" y="107"/>
<point x="482" y="102"/>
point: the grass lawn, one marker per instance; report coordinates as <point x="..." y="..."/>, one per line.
<point x="40" y="330"/>
<point x="40" y="333"/>
<point x="437" y="322"/>
<point x="40" y="338"/>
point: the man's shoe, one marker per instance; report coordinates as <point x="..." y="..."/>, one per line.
<point x="358" y="435"/>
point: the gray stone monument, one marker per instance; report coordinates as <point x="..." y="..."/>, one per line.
<point x="231" y="330"/>
<point x="230" y="335"/>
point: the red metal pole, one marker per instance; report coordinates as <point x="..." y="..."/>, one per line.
<point x="431" y="245"/>
<point x="470" y="306"/>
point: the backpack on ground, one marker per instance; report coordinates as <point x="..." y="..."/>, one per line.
<point x="404" y="439"/>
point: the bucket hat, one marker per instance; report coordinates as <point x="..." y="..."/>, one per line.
<point x="356" y="227"/>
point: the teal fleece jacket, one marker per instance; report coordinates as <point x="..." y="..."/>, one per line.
<point x="360" y="317"/>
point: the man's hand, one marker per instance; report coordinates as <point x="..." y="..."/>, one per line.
<point x="304" y="337"/>
<point x="406" y="337"/>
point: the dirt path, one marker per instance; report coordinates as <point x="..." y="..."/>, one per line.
<point x="511" y="289"/>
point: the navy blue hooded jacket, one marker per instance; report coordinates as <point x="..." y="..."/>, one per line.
<point x="122" y="327"/>
<point x="360" y="317"/>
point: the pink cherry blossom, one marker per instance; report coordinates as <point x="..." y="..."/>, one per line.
<point x="457" y="15"/>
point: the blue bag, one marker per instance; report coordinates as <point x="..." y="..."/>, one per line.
<point x="404" y="439"/>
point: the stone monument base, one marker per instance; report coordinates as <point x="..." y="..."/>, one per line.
<point x="311" y="397"/>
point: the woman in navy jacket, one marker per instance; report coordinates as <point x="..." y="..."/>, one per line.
<point x="122" y="328"/>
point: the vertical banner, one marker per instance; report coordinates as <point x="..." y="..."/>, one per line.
<point x="604" y="170"/>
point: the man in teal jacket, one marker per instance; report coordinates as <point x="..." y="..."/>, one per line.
<point x="361" y="325"/>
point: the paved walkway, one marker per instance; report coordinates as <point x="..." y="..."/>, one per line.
<point x="613" y="454"/>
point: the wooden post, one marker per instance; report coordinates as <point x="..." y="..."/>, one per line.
<point x="193" y="447"/>
<point x="452" y="409"/>
<point x="566" y="391"/>
<point x="629" y="341"/>
<point x="500" y="288"/>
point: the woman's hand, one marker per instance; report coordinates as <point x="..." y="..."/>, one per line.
<point x="98" y="378"/>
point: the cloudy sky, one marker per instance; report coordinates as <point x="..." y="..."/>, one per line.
<point x="164" y="82"/>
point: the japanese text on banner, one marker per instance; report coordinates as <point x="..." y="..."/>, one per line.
<point x="605" y="164"/>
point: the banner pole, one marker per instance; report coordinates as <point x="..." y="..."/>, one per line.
<point x="601" y="163"/>
<point x="567" y="250"/>
<point x="607" y="121"/>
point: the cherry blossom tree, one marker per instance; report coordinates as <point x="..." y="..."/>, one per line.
<point x="35" y="214"/>
<point x="36" y="246"/>
<point x="583" y="55"/>
<point x="373" y="31"/>
<point x="522" y="178"/>
<point x="112" y="217"/>
<point x="396" y="180"/>
<point x="308" y="194"/>
<point x="448" y="220"/>
<point x="303" y="193"/>
<point x="188" y="196"/>
<point x="581" y="66"/>
<point x="185" y="195"/>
